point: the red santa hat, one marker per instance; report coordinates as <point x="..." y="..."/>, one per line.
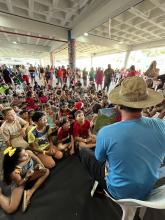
<point x="78" y="105"/>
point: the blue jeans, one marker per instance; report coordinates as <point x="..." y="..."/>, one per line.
<point x="95" y="168"/>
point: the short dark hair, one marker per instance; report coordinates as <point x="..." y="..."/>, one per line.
<point x="6" y="110"/>
<point x="78" y="112"/>
<point x="129" y="109"/>
<point x="29" y="94"/>
<point x="63" y="120"/>
<point x="63" y="103"/>
<point x="47" y="105"/>
<point x="96" y="108"/>
<point x="37" y="116"/>
<point x="132" y="68"/>
<point x="23" y="111"/>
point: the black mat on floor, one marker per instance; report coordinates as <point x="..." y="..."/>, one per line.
<point x="66" y="196"/>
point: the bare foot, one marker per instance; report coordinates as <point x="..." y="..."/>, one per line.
<point x="71" y="152"/>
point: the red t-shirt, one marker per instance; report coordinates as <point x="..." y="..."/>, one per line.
<point x="29" y="101"/>
<point x="60" y="73"/>
<point x="31" y="104"/>
<point x="64" y="73"/>
<point x="63" y="133"/>
<point x="64" y="136"/>
<point x="133" y="73"/>
<point x="81" y="130"/>
<point x="43" y="99"/>
<point x="64" y="113"/>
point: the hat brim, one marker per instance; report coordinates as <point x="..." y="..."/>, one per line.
<point x="152" y="99"/>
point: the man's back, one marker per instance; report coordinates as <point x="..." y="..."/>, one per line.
<point x="135" y="150"/>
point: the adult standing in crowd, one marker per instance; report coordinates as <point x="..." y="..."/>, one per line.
<point x="108" y="74"/>
<point x="84" y="77"/>
<point x="52" y="69"/>
<point x="64" y="74"/>
<point x="161" y="80"/>
<point x="91" y="75"/>
<point x="6" y="75"/>
<point x="129" y="153"/>
<point x="99" y="77"/>
<point x="41" y="73"/>
<point x="25" y="74"/>
<point x="132" y="72"/>
<point x="60" y="76"/>
<point x="32" y="73"/>
<point x="152" y="71"/>
<point x="47" y="74"/>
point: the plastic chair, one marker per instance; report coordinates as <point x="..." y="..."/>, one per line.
<point x="155" y="200"/>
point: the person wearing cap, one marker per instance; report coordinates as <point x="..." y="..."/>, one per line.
<point x="129" y="154"/>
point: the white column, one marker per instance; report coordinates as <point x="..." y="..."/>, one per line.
<point x="126" y="58"/>
<point x="52" y="58"/>
<point x="91" y="60"/>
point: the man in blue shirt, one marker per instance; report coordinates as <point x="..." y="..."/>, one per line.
<point x="129" y="153"/>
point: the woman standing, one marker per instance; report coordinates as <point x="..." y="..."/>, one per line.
<point x="152" y="71"/>
<point x="91" y="75"/>
<point x="99" y="78"/>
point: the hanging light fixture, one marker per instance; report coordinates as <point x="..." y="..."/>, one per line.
<point x="86" y="34"/>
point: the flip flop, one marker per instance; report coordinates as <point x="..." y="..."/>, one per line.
<point x="25" y="203"/>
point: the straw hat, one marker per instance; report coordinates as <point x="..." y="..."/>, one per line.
<point x="133" y="92"/>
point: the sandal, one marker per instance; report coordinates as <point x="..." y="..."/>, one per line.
<point x="25" y="202"/>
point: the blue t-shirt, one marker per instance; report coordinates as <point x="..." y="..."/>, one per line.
<point x="134" y="151"/>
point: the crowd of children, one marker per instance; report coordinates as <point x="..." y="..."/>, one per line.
<point x="41" y="124"/>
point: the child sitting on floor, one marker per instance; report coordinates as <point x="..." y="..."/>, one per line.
<point x="30" y="101"/>
<point x="40" y="140"/>
<point x="65" y="137"/>
<point x="21" y="166"/>
<point x="42" y="98"/>
<point x="81" y="131"/>
<point x="51" y="116"/>
<point x="13" y="129"/>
